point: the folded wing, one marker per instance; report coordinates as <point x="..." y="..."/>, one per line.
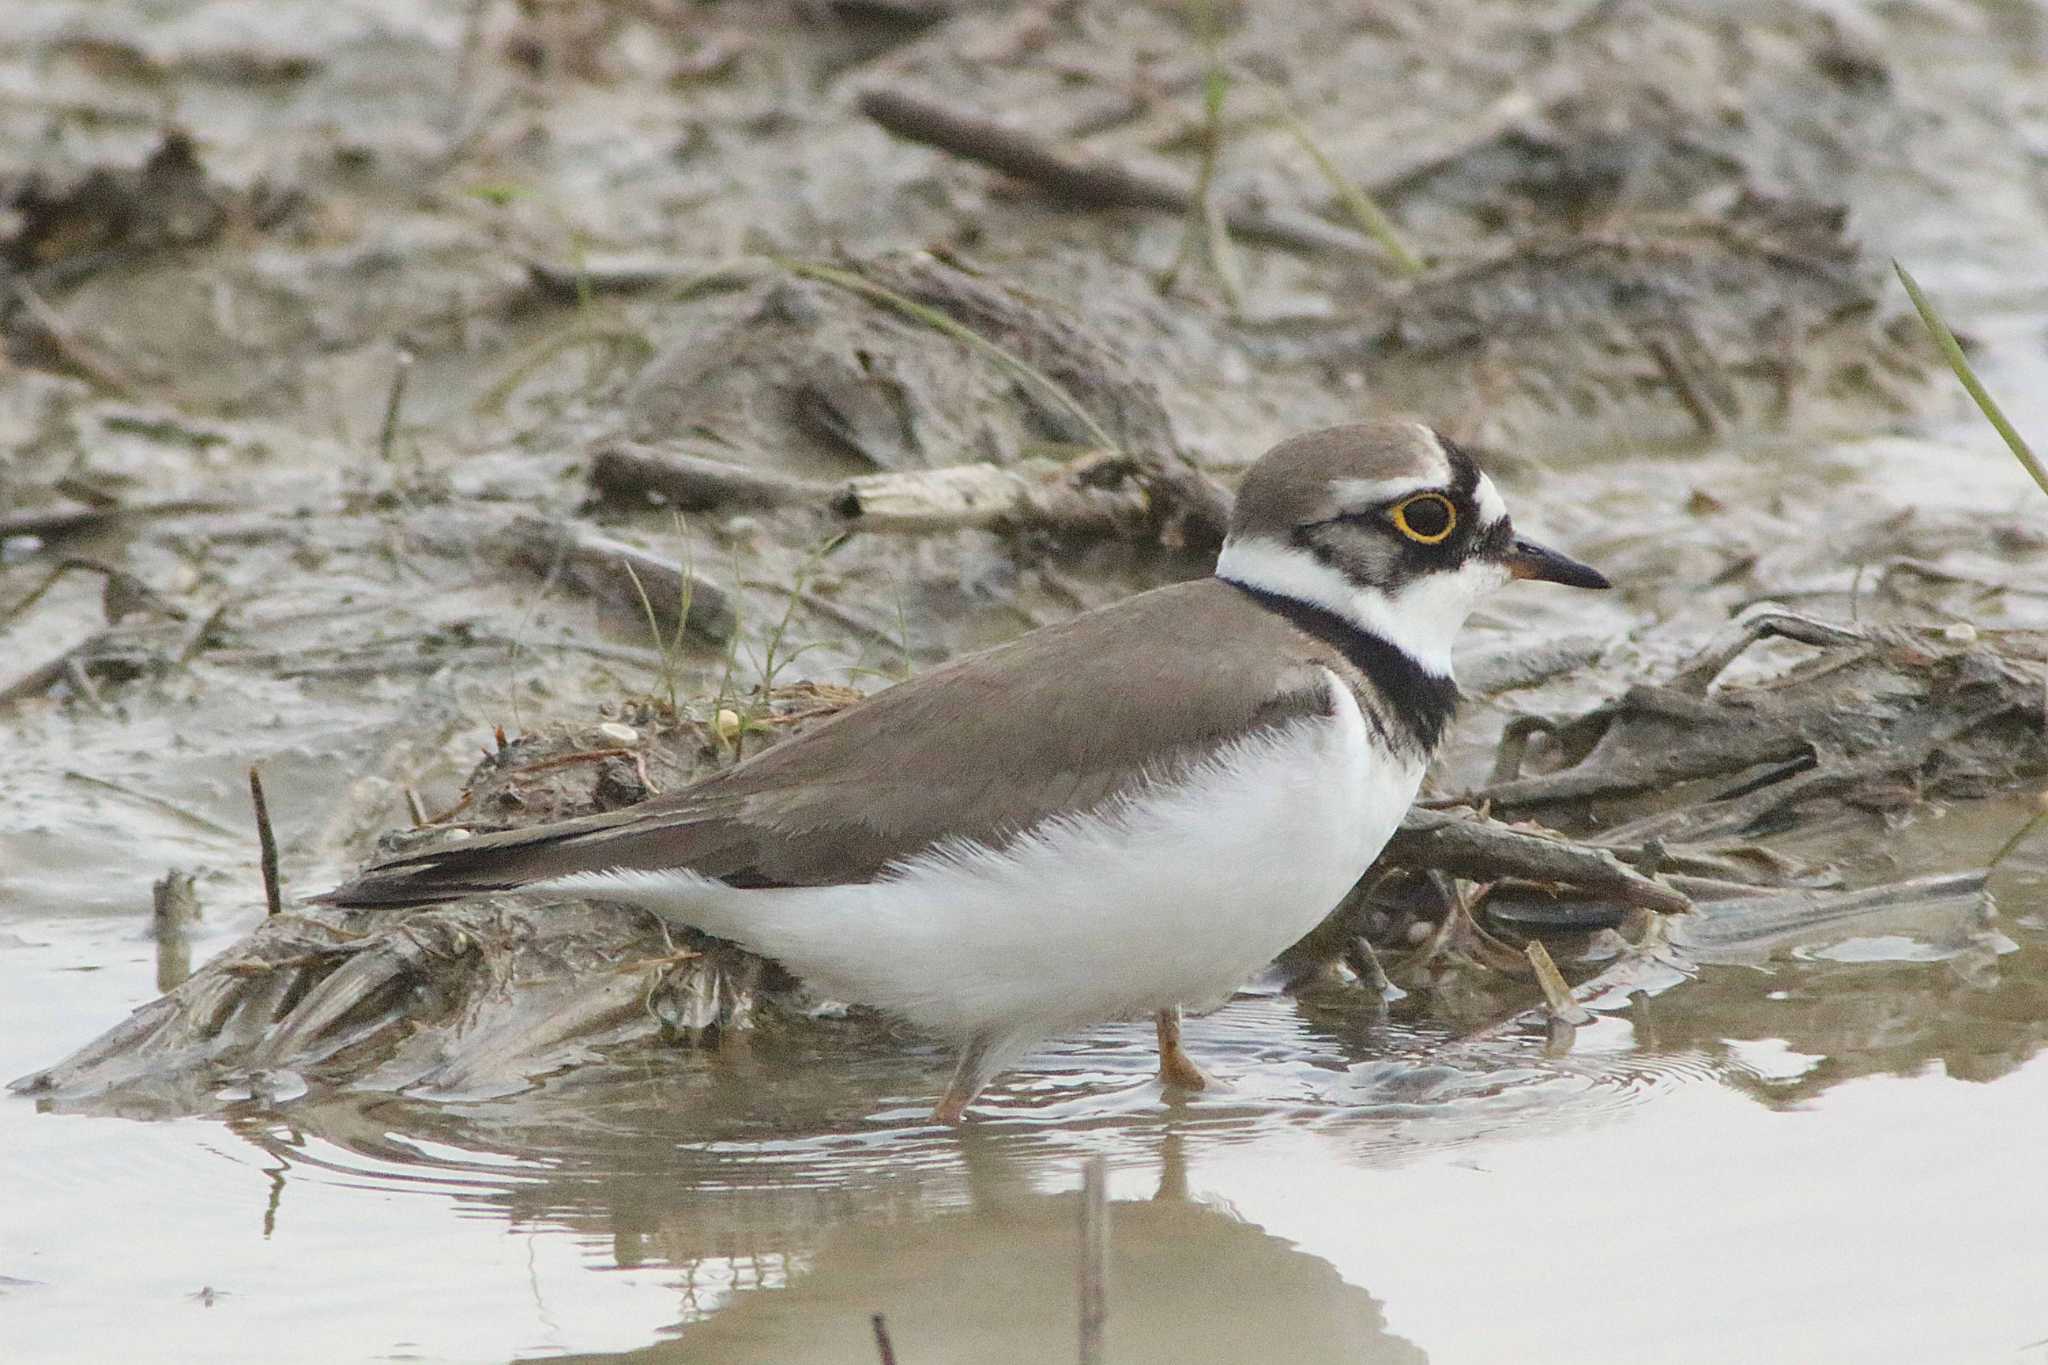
<point x="983" y="748"/>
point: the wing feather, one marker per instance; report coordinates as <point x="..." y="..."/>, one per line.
<point x="983" y="748"/>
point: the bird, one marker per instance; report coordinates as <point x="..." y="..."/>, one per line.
<point x="1125" y="814"/>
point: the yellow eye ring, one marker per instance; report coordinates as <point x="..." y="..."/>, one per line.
<point x="1432" y="500"/>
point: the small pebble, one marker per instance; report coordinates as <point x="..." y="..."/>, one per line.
<point x="1419" y="932"/>
<point x="1959" y="633"/>
<point x="20" y="549"/>
<point x="619" y="734"/>
<point x="727" y="724"/>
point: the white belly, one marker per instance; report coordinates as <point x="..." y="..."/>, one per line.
<point x="1174" y="896"/>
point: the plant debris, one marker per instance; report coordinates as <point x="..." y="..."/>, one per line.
<point x="478" y="998"/>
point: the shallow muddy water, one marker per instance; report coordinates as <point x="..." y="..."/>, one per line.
<point x="1828" y="1153"/>
<point x="1821" y="1157"/>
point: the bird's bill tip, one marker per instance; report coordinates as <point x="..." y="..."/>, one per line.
<point x="1544" y="565"/>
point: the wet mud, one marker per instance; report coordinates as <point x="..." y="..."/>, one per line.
<point x="608" y="388"/>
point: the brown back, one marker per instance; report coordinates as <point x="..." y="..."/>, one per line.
<point x="982" y="748"/>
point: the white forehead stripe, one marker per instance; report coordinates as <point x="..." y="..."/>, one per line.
<point x="1487" y="499"/>
<point x="1430" y="472"/>
<point x="1372" y="492"/>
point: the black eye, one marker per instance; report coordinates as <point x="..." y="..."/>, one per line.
<point x="1427" y="517"/>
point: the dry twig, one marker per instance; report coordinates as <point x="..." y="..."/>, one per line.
<point x="626" y="469"/>
<point x="266" y="842"/>
<point x="1094" y="1259"/>
<point x="1088" y="180"/>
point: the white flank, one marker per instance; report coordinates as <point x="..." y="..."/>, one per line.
<point x="1421" y="618"/>
<point x="1171" y="895"/>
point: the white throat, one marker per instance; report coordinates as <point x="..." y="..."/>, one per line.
<point x="1421" y="618"/>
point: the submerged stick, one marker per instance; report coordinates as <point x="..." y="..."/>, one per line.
<point x="387" y="435"/>
<point x="1086" y="179"/>
<point x="266" y="842"/>
<point x="1094" y="1268"/>
<point x="38" y="680"/>
<point x="1557" y="997"/>
<point x="65" y="520"/>
<point x="1704" y="415"/>
<point x="66" y="341"/>
<point x="174" y="908"/>
<point x="171" y="808"/>
<point x="884" y="1348"/>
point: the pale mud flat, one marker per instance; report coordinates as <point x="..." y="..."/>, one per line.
<point x="1821" y="1153"/>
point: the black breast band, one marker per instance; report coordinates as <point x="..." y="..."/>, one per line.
<point x="1419" y="701"/>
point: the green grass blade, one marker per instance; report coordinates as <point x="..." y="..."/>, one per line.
<point x="1952" y="351"/>
<point x="1356" y="201"/>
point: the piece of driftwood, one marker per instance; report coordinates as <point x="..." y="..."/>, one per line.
<point x="1880" y="717"/>
<point x="118" y="654"/>
<point x="1067" y="382"/>
<point x="40" y="323"/>
<point x="1190" y="509"/>
<point x="1099" y="493"/>
<point x="904" y="361"/>
<point x="70" y="519"/>
<point x="1745" y="928"/>
<point x="631" y="470"/>
<point x="613" y="273"/>
<point x="266" y="843"/>
<point x="53" y="521"/>
<point x="1481" y="849"/>
<point x="1090" y="180"/>
<point x="174" y="909"/>
<point x="122" y="594"/>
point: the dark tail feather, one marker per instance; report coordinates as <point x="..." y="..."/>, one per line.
<point x="440" y="875"/>
<point x="518" y="858"/>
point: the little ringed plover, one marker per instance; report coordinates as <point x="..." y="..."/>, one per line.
<point x="1120" y="815"/>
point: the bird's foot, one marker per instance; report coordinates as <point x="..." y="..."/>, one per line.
<point x="952" y="1110"/>
<point x="1176" y="1068"/>
<point x="974" y="1070"/>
